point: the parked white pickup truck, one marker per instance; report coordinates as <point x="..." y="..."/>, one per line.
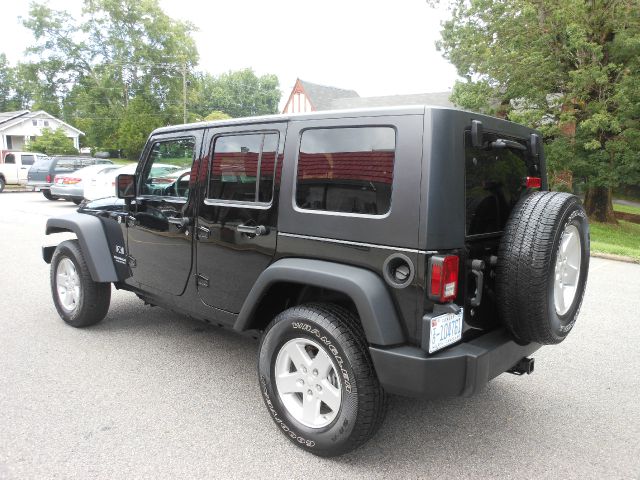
<point x="14" y="167"/>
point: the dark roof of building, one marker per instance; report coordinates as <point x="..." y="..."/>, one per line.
<point x="321" y="96"/>
<point x="8" y="116"/>
<point x="436" y="99"/>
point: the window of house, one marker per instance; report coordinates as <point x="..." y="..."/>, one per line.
<point x="346" y="170"/>
<point x="9" y="143"/>
<point x="167" y="170"/>
<point x="242" y="167"/>
<point x="34" y="123"/>
<point x="46" y="123"/>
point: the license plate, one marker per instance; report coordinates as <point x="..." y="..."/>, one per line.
<point x="445" y="330"/>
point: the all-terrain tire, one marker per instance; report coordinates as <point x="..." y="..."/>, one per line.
<point x="534" y="267"/>
<point x="339" y="334"/>
<point x="89" y="301"/>
<point x="47" y="194"/>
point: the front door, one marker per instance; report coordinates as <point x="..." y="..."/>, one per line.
<point x="237" y="214"/>
<point x="159" y="239"/>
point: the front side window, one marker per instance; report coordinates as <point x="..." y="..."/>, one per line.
<point x="242" y="167"/>
<point x="167" y="170"/>
<point x="10" y="159"/>
<point x="347" y="170"/>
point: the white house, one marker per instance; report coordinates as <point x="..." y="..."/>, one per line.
<point x="17" y="128"/>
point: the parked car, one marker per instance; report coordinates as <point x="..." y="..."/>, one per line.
<point x="103" y="185"/>
<point x="43" y="171"/>
<point x="70" y="186"/>
<point x="15" y="166"/>
<point x="408" y="250"/>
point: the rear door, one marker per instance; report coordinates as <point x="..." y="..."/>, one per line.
<point x="237" y="212"/>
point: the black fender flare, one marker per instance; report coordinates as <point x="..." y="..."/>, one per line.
<point x="93" y="242"/>
<point x="367" y="290"/>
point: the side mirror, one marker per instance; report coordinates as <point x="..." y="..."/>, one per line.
<point x="126" y="186"/>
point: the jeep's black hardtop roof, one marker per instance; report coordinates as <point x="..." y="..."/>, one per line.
<point x="334" y="114"/>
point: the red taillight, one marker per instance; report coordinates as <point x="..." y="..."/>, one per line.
<point x="443" y="277"/>
<point x="48" y="179"/>
<point x="534" y="182"/>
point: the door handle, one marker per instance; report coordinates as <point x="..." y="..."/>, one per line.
<point x="252" y="230"/>
<point x="180" y="222"/>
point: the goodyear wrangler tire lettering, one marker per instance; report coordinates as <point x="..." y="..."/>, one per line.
<point x="333" y="336"/>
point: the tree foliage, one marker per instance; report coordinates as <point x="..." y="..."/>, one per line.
<point x="238" y="93"/>
<point x="570" y="68"/>
<point x="52" y="142"/>
<point x="217" y="115"/>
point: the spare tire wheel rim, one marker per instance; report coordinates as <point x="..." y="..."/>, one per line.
<point x="67" y="284"/>
<point x="567" y="272"/>
<point x="308" y="383"/>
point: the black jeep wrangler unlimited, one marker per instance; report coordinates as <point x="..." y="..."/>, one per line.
<point x="413" y="251"/>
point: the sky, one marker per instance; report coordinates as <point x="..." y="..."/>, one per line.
<point x="374" y="47"/>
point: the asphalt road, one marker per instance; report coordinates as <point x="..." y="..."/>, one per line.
<point x="149" y="394"/>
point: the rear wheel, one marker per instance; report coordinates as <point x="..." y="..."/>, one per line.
<point x="48" y="196"/>
<point x="543" y="262"/>
<point x="79" y="300"/>
<point x="318" y="381"/>
<point x="2" y="184"/>
<point x="77" y="201"/>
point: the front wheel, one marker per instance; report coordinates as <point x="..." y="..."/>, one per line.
<point x="317" y="379"/>
<point x="2" y="184"/>
<point x="79" y="300"/>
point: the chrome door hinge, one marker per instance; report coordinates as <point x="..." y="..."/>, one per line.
<point x="203" y="233"/>
<point x="131" y="261"/>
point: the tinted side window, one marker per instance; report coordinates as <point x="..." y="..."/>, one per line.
<point x="167" y="170"/>
<point x="10" y="159"/>
<point x="27" y="159"/>
<point x="243" y="167"/>
<point x="494" y="182"/>
<point x="346" y="170"/>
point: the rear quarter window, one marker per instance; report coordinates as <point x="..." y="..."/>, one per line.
<point x="347" y="170"/>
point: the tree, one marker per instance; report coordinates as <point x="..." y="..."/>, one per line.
<point x="139" y="120"/>
<point x="216" y="115"/>
<point x="570" y="68"/>
<point x="94" y="67"/>
<point x="238" y="93"/>
<point x="52" y="142"/>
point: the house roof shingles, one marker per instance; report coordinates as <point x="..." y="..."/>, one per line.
<point x="437" y="99"/>
<point x="322" y="96"/>
<point x="8" y="116"/>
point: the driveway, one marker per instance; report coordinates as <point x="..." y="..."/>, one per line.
<point x="150" y="394"/>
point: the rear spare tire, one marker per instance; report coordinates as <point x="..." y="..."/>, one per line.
<point x="543" y="261"/>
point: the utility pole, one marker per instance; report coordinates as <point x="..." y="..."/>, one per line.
<point x="184" y="91"/>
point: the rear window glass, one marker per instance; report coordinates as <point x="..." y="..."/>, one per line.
<point x="42" y="163"/>
<point x="494" y="182"/>
<point x="65" y="165"/>
<point x="27" y="159"/>
<point x="347" y="170"/>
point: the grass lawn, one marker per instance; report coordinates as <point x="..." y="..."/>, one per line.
<point x="621" y="239"/>
<point x="626" y="209"/>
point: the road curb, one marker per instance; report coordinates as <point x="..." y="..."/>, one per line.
<point x="611" y="256"/>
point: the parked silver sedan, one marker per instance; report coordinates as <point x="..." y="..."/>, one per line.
<point x="70" y="186"/>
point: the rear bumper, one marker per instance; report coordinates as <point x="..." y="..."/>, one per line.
<point x="38" y="185"/>
<point x="457" y="371"/>
<point x="67" y="192"/>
